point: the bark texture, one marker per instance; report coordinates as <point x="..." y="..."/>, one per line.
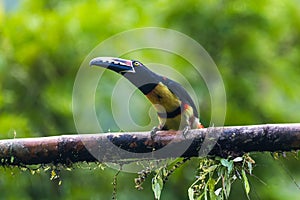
<point x="110" y="147"/>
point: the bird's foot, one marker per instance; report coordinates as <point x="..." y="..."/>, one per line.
<point x="185" y="131"/>
<point x="153" y="132"/>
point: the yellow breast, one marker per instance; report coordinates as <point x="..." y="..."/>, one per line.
<point x="163" y="99"/>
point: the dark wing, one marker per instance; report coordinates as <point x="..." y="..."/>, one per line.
<point x="180" y="92"/>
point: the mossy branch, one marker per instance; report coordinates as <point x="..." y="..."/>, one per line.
<point x="110" y="147"/>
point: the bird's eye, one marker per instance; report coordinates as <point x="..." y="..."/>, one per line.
<point x="136" y="63"/>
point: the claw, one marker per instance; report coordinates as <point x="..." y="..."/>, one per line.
<point x="153" y="132"/>
<point x="185" y="131"/>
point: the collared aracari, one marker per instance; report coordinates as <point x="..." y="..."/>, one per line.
<point x="175" y="108"/>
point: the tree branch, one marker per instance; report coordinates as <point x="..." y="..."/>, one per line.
<point x="109" y="147"/>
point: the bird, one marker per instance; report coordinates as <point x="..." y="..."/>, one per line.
<point x="174" y="106"/>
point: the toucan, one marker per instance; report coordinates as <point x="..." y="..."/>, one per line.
<point x="175" y="107"/>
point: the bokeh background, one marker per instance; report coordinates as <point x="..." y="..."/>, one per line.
<point x="255" y="44"/>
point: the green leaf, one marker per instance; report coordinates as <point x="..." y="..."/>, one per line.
<point x="224" y="162"/>
<point x="227" y="187"/>
<point x="250" y="167"/>
<point x="191" y="193"/>
<point x="246" y="183"/>
<point x="210" y="168"/>
<point x="157" y="186"/>
<point x="238" y="159"/>
<point x="230" y="167"/>
<point x="227" y="164"/>
<point x="205" y="192"/>
<point x="218" y="191"/>
<point x="211" y="185"/>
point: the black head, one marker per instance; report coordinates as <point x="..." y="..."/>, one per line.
<point x="133" y="70"/>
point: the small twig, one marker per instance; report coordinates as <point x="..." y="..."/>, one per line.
<point x="115" y="184"/>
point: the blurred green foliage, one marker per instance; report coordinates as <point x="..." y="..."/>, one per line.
<point x="255" y="44"/>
